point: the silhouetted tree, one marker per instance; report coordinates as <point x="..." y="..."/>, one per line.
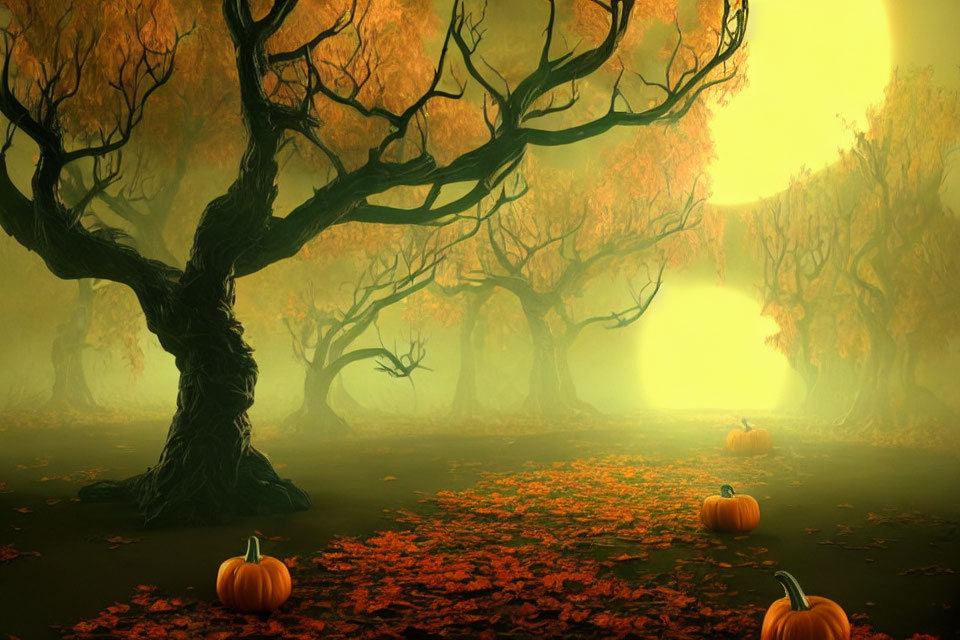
<point x="289" y="83"/>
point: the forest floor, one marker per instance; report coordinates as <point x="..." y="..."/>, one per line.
<point x="591" y="532"/>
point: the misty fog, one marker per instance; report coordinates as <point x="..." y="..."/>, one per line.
<point x="471" y="314"/>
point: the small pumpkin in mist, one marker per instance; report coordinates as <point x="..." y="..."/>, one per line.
<point x="253" y="582"/>
<point x="730" y="511"/>
<point x="802" y="617"/>
<point x="749" y="441"/>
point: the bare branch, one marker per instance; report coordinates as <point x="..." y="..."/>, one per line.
<point x="44" y="223"/>
<point x="400" y="365"/>
<point x="306" y="49"/>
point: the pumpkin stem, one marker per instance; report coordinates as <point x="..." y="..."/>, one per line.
<point x="746" y="425"/>
<point x="727" y="491"/>
<point x="253" y="550"/>
<point x="798" y="600"/>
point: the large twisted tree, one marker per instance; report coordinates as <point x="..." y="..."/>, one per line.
<point x="208" y="468"/>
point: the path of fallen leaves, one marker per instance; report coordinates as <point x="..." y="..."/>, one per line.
<point x="533" y="554"/>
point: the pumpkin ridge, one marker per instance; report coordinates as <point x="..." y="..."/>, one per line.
<point x="253" y="582"/>
<point x="832" y="616"/>
<point x="226" y="578"/>
<point x="280" y="581"/>
<point x="265" y="590"/>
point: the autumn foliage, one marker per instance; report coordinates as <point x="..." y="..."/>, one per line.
<point x="345" y="94"/>
<point x="856" y="259"/>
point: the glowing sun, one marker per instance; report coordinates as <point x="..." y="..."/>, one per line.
<point x="704" y="348"/>
<point x="813" y="66"/>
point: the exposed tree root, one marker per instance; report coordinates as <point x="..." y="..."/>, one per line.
<point x="166" y="497"/>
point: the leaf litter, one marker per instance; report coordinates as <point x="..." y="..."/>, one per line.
<point x="539" y="553"/>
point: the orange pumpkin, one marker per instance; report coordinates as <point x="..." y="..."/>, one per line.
<point x="729" y="512"/>
<point x="802" y="617"/>
<point x="253" y="582"/>
<point x="748" y="440"/>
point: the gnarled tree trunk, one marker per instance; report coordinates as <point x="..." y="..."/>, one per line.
<point x="466" y="400"/>
<point x="315" y="415"/>
<point x="872" y="402"/>
<point x="343" y="400"/>
<point x="70" y="389"/>
<point x="920" y="404"/>
<point x="208" y="469"/>
<point x="568" y="390"/>
<point x="544" y="396"/>
<point x="829" y="388"/>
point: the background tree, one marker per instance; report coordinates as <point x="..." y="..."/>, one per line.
<point x="549" y="247"/>
<point x="856" y="260"/>
<point x="901" y="159"/>
<point x="794" y="236"/>
<point x="209" y="468"/>
<point x="455" y="299"/>
<point x="390" y="271"/>
<point x="474" y="297"/>
<point x="323" y="333"/>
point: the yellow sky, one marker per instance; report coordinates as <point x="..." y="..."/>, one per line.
<point x="812" y="66"/>
<point x="815" y="67"/>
